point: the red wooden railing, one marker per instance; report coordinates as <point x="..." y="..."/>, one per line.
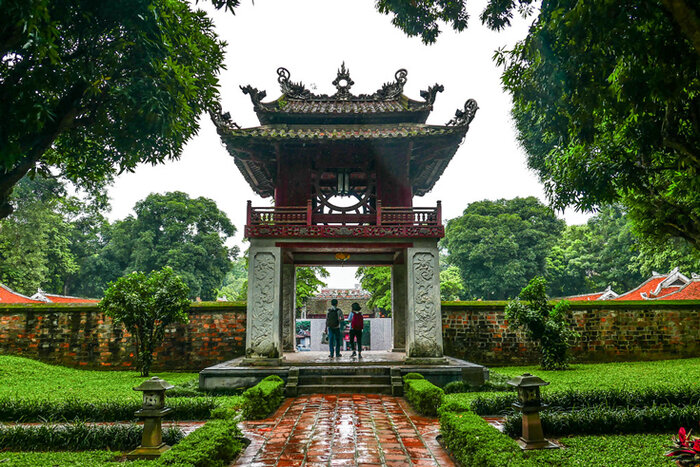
<point x="304" y="215"/>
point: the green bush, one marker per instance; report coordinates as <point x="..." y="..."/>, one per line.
<point x="77" y="437"/>
<point x="63" y="459"/>
<point x="413" y="376"/>
<point x="263" y="398"/>
<point x="216" y="444"/>
<point x="474" y="442"/>
<point x="602" y="420"/>
<point x="572" y="399"/>
<point x="454" y="387"/>
<point x="34" y="410"/>
<point x="191" y="389"/>
<point x="423" y="396"/>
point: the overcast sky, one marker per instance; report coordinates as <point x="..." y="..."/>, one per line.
<point x="312" y="38"/>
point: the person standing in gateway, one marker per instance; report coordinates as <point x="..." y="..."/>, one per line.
<point x="357" y="323"/>
<point x="333" y="319"/>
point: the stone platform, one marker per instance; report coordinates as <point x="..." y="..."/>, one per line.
<point x="378" y="372"/>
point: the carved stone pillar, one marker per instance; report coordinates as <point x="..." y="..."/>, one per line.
<point x="424" y="315"/>
<point x="288" y="307"/>
<point x="263" y="339"/>
<point x="399" y="301"/>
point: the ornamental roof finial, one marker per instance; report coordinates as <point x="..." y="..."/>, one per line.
<point x="343" y="83"/>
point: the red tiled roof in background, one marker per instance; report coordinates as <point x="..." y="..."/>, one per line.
<point x="8" y="295"/>
<point x="648" y="286"/>
<point x="591" y="296"/>
<point x="67" y="299"/>
<point x="689" y="292"/>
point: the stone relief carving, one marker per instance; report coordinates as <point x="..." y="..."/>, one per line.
<point x="263" y="307"/>
<point x="426" y="306"/>
<point x="288" y="322"/>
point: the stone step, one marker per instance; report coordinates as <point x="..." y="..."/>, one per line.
<point x="356" y="380"/>
<point x="344" y="370"/>
<point x="344" y="389"/>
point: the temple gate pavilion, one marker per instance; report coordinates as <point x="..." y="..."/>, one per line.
<point x="343" y="171"/>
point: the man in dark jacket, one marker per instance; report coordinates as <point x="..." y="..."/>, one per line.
<point x="333" y="319"/>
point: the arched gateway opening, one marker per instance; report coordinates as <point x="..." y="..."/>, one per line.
<point x="343" y="171"/>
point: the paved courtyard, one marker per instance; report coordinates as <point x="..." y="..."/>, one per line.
<point x="330" y="430"/>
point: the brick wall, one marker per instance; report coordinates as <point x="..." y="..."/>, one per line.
<point x="81" y="336"/>
<point x="478" y="332"/>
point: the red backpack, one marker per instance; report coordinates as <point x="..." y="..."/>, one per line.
<point x="357" y="321"/>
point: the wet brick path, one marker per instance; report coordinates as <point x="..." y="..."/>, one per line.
<point x="330" y="430"/>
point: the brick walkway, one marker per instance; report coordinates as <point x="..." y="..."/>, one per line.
<point x="335" y="430"/>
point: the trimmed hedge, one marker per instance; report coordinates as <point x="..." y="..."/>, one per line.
<point x="77" y="437"/>
<point x="32" y="410"/>
<point x="608" y="398"/>
<point x="474" y="442"/>
<point x="263" y="398"/>
<point x="216" y="444"/>
<point x="423" y="396"/>
<point x="603" y="420"/>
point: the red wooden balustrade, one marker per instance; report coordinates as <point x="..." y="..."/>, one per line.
<point x="304" y="215"/>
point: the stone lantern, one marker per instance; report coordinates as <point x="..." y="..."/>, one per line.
<point x="151" y="413"/>
<point x="529" y="404"/>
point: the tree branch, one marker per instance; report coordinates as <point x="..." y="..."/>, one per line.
<point x="687" y="20"/>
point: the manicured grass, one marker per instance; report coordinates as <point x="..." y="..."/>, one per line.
<point x="607" y="451"/>
<point x="26" y="378"/>
<point x="623" y="375"/>
<point x="33" y="459"/>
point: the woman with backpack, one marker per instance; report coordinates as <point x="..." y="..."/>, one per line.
<point x="357" y="323"/>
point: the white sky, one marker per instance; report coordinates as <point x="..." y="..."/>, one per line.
<point x="311" y="38"/>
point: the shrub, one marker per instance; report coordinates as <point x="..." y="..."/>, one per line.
<point x="216" y="444"/>
<point x="474" y="442"/>
<point x="603" y="420"/>
<point x="571" y="399"/>
<point x="543" y="323"/>
<point x="263" y="398"/>
<point x="423" y="396"/>
<point x="413" y="376"/>
<point x="32" y="410"/>
<point x="77" y="437"/>
<point x="191" y="389"/>
<point x="146" y="304"/>
<point x="454" y="387"/>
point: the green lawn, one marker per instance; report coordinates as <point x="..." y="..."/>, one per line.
<point x="624" y="375"/>
<point x="608" y="451"/>
<point x="33" y="459"/>
<point x="28" y="379"/>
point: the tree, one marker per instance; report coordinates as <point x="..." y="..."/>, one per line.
<point x="146" y="305"/>
<point x="497" y="245"/>
<point x="308" y="282"/>
<point x="451" y="286"/>
<point x="234" y="281"/>
<point x="98" y="87"/>
<point x="606" y="100"/>
<point x="173" y="230"/>
<point x="377" y="281"/>
<point x="421" y="18"/>
<point x="543" y="323"/>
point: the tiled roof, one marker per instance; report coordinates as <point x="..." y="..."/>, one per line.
<point x="68" y="299"/>
<point x="327" y="294"/>
<point x="592" y="296"/>
<point x="645" y="288"/>
<point x="689" y="292"/>
<point x="345" y="132"/>
<point x="8" y="295"/>
<point x="337" y="107"/>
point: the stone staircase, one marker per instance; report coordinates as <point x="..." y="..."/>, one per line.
<point x="344" y="380"/>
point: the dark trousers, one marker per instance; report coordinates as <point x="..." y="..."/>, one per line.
<point x="334" y="340"/>
<point x="356" y="335"/>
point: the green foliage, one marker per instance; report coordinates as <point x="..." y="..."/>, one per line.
<point x="605" y="101"/>
<point x="77" y="437"/>
<point x="377" y="281"/>
<point x="543" y="323"/>
<point x="608" y="398"/>
<point x="74" y="68"/>
<point x="146" y="304"/>
<point x="408" y="376"/>
<point x="172" y="230"/>
<point x="423" y="396"/>
<point x="216" y="444"/>
<point x="232" y="287"/>
<point x="263" y="398"/>
<point x="422" y="18"/>
<point x="498" y="245"/>
<point x="64" y="459"/>
<point x="309" y="282"/>
<point x="474" y="442"/>
<point x="604" y="420"/>
<point x="451" y="285"/>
